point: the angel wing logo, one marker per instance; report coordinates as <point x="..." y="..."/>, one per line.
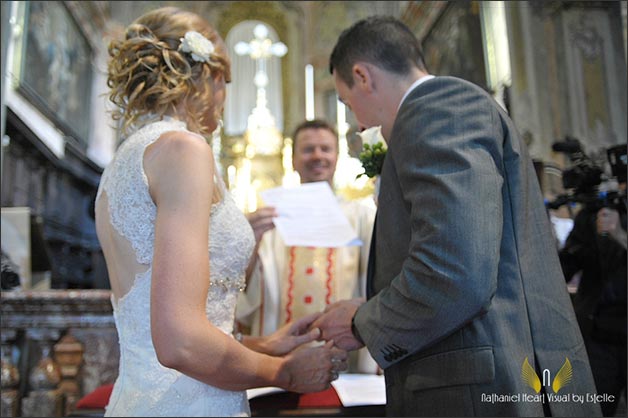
<point x="530" y="377"/>
<point x="562" y="378"/>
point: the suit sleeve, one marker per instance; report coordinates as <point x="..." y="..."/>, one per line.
<point x="447" y="155"/>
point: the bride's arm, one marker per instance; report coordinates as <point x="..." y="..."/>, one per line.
<point x="179" y="168"/>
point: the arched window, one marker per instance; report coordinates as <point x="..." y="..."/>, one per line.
<point x="241" y="92"/>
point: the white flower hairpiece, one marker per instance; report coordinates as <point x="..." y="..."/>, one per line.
<point x="199" y="46"/>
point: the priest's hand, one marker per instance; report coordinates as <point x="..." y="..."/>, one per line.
<point x="261" y="221"/>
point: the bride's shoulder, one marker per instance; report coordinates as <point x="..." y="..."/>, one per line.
<point x="179" y="144"/>
<point x="178" y="152"/>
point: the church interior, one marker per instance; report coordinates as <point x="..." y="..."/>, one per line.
<point x="557" y="67"/>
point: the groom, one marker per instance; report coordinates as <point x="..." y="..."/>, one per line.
<point x="466" y="290"/>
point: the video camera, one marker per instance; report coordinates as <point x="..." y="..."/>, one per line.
<point x="584" y="179"/>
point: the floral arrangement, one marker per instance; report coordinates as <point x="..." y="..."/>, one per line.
<point x="199" y="46"/>
<point x="373" y="152"/>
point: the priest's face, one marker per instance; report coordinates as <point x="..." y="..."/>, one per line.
<point x="315" y="155"/>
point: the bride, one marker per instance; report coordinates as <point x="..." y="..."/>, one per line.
<point x="175" y="243"/>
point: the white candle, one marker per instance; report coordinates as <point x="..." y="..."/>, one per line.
<point x="341" y="117"/>
<point x="231" y="177"/>
<point x="309" y="92"/>
<point x="343" y="127"/>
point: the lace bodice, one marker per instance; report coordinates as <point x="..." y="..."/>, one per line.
<point x="144" y="387"/>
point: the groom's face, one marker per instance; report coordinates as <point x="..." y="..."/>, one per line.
<point x="315" y="155"/>
<point x="357" y="99"/>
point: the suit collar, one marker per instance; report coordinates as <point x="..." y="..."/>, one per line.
<point x="413" y="86"/>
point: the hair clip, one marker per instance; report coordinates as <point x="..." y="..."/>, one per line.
<point x="199" y="46"/>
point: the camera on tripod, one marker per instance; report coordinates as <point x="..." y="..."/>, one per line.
<point x="586" y="182"/>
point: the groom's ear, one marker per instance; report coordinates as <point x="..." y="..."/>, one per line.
<point x="362" y="76"/>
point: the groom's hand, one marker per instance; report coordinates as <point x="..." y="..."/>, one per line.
<point x="335" y="324"/>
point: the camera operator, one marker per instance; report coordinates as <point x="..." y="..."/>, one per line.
<point x="596" y="247"/>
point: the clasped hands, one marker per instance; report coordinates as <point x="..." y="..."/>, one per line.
<point x="335" y="324"/>
<point x="331" y="325"/>
<point x="324" y="361"/>
<point x="311" y="365"/>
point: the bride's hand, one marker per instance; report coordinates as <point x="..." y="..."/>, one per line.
<point x="312" y="368"/>
<point x="291" y="335"/>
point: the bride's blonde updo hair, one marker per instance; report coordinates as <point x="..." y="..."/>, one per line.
<point x="149" y="76"/>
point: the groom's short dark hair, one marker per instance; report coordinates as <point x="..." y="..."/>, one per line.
<point x="379" y="40"/>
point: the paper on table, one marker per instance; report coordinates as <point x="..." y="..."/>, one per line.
<point x="254" y="393"/>
<point x="310" y="216"/>
<point x="360" y="389"/>
<point x="352" y="389"/>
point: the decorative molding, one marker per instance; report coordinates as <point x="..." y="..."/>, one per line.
<point x="92" y="18"/>
<point x="586" y="38"/>
<point x="421" y="16"/>
<point x="56" y="309"/>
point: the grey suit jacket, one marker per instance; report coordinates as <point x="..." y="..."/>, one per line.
<point x="465" y="278"/>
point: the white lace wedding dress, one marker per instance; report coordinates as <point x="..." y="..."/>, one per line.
<point x="144" y="387"/>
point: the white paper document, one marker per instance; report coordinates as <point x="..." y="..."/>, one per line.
<point x="360" y="389"/>
<point x="310" y="216"/>
<point x="353" y="389"/>
<point x="268" y="390"/>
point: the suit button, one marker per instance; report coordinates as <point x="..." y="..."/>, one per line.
<point x="387" y="357"/>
